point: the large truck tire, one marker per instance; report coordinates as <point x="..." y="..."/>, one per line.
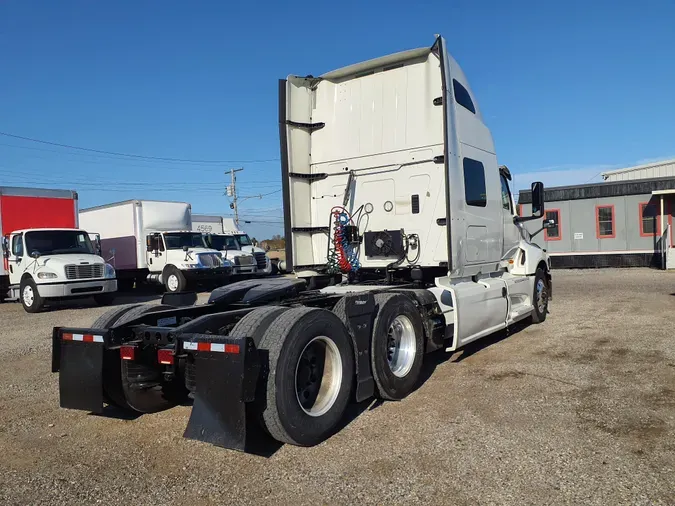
<point x="309" y="377"/>
<point x="256" y="323"/>
<point x="397" y="346"/>
<point x="134" y="375"/>
<point x="539" y="297"/>
<point x="29" y="296"/>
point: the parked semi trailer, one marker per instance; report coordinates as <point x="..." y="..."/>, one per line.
<point x="152" y="241"/>
<point x="45" y="255"/>
<point x="402" y="233"/>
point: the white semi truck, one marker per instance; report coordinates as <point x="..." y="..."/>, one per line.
<point x="401" y="230"/>
<point x="222" y="234"/>
<point x="153" y="241"/>
<point x="45" y="255"/>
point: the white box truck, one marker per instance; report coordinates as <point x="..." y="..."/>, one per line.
<point x="401" y="228"/>
<point x="45" y="255"/>
<point x="222" y="234"/>
<point x="153" y="241"/>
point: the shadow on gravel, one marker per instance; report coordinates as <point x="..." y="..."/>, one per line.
<point x="439" y="357"/>
<point x="117" y="413"/>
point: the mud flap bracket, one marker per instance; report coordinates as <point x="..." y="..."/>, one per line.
<point x="360" y="310"/>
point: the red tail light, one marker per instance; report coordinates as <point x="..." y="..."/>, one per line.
<point x="165" y="357"/>
<point x="128" y="352"/>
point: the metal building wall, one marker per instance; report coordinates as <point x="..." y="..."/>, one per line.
<point x="579" y="233"/>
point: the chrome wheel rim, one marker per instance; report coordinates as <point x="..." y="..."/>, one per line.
<point x="28" y="295"/>
<point x="172" y="282"/>
<point x="541" y="295"/>
<point x="318" y="376"/>
<point x="401" y="347"/>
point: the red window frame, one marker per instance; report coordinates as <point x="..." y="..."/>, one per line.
<point x="657" y="231"/>
<point x="597" y="222"/>
<point x="520" y="210"/>
<point x="559" y="236"/>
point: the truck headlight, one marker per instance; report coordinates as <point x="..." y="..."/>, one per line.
<point x="227" y="263"/>
<point x="46" y="275"/>
<point x="189" y="266"/>
<point x="109" y="271"/>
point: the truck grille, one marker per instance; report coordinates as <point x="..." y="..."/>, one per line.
<point x="261" y="259"/>
<point x="85" y="271"/>
<point x="244" y="260"/>
<point x="210" y="259"/>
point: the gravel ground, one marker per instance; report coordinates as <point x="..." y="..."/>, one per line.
<point x="578" y="410"/>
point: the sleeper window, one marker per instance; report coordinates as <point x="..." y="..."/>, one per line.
<point x="462" y="96"/>
<point x="474" y="183"/>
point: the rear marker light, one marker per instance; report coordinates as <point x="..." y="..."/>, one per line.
<point x="127" y="352"/>
<point x="165" y="357"/>
<point x="231" y="348"/>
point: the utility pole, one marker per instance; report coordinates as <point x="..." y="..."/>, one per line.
<point x="231" y="192"/>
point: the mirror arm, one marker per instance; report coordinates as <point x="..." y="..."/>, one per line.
<point x="521" y="219"/>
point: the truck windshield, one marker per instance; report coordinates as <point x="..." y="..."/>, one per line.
<point x="222" y="242"/>
<point x="244" y="240"/>
<point x="178" y="240"/>
<point x="58" y="242"/>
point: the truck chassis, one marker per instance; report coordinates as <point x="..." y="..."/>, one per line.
<point x="149" y="358"/>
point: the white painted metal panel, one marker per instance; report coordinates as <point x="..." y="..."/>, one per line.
<point x="109" y="221"/>
<point x="165" y="216"/>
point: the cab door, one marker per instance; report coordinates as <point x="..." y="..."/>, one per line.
<point x="511" y="233"/>
<point x="17" y="258"/>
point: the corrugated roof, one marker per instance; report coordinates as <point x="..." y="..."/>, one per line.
<point x="651" y="165"/>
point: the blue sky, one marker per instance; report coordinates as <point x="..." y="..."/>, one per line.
<point x="568" y="88"/>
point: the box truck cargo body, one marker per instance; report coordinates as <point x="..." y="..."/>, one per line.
<point x="45" y="255"/>
<point x="148" y="240"/>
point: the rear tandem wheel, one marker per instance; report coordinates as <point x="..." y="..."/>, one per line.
<point x="306" y="388"/>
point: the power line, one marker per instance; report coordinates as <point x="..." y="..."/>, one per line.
<point x="132" y="155"/>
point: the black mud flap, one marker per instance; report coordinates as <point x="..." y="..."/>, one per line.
<point x="77" y="355"/>
<point x="226" y="374"/>
<point x="360" y="310"/>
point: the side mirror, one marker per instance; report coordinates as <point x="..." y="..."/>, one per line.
<point x="149" y="243"/>
<point x="537" y="199"/>
<point x="549" y="223"/>
<point x="35" y="254"/>
<point x="267" y="247"/>
<point x="5" y="247"/>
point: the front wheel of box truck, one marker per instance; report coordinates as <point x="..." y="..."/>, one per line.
<point x="174" y="279"/>
<point x="29" y="296"/>
<point x="307" y="384"/>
